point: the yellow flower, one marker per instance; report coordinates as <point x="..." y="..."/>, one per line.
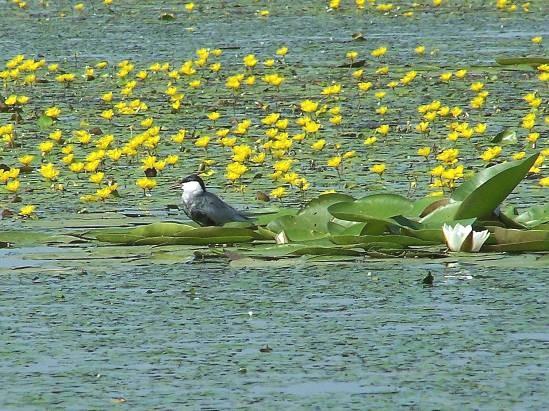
<point x="27" y="211"/>
<point x="461" y="73"/>
<point x="380" y="94"/>
<point x="477" y="86"/>
<point x="445" y="77"/>
<point x="383" y="129"/>
<point x="269" y="63"/>
<point x="334" y="161"/>
<point x="364" y="86"/>
<point x="282" y="51"/>
<point x="351" y="55"/>
<point x="77" y="167"/>
<point x="420" y="50"/>
<point x="311" y="127"/>
<point x="331" y="90"/>
<point x="480" y="128"/>
<point x="336" y="120"/>
<point x="214" y="116"/>
<point x="96" y="178"/>
<point x="202" y="142"/>
<point x="532" y="137"/>
<point x="491" y="153"/>
<point x="26" y="159"/>
<point x="146" y="183"/>
<point x="49" y="172"/>
<point x="235" y="170"/>
<point x="308" y="106"/>
<point x="379" y="52"/>
<point x="233" y="83"/>
<point x="448" y="156"/>
<point x="250" y="61"/>
<point x="107" y="114"/>
<point x="378" y="168"/>
<point x="107" y="97"/>
<point x="544" y="182"/>
<point x="45" y="147"/>
<point x="189" y="7"/>
<point x="279" y="192"/>
<point x="537" y="40"/>
<point x="370" y="140"/>
<point x="13" y="186"/>
<point x="52" y="112"/>
<point x="519" y="156"/>
<point x="334" y="4"/>
<point x="424" y="151"/>
<point x="423" y="127"/>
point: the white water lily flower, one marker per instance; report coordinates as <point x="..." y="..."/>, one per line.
<point x="463" y="238"/>
<point x="281" y="238"/>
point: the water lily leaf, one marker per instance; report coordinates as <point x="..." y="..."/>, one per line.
<point x="44" y="122"/>
<point x="508" y="235"/>
<point x="534" y="216"/>
<point x="441" y="215"/>
<point x="24" y="237"/>
<point x="312" y="222"/>
<point x="480" y="195"/>
<point x="375" y="207"/>
<point x="192" y="240"/>
<point x="304" y="250"/>
<point x="542" y="245"/>
<point x="265" y="219"/>
<point x="371" y="239"/>
<point x="297" y="229"/>
<point x="425" y="205"/>
<point x="434" y="235"/>
<point x="531" y="61"/>
<point x="354" y="229"/>
<point x="508" y="136"/>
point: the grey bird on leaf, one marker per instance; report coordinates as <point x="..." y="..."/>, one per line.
<point x="206" y="208"/>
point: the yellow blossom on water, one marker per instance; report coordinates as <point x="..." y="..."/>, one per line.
<point x="544" y="182"/>
<point x="213" y="116"/>
<point x="107" y="97"/>
<point x="334" y="161"/>
<point x="383" y="129"/>
<point x="26" y="159"/>
<point x="456" y="111"/>
<point x="308" y="106"/>
<point x="365" y="86"/>
<point x="532" y="137"/>
<point x="380" y="51"/>
<point x="351" y="55"/>
<point x="420" y="50"/>
<point x="107" y="114"/>
<point x="331" y="90"/>
<point x="424" y="151"/>
<point x="282" y="51"/>
<point x="269" y="63"/>
<point x="480" y="128"/>
<point x="519" y="156"/>
<point x="45" y="147"/>
<point x="77" y="167"/>
<point x="279" y="192"/>
<point x="249" y="61"/>
<point x="477" y="86"/>
<point x="380" y="94"/>
<point x="189" y="7"/>
<point x="318" y="145"/>
<point x="378" y="168"/>
<point x="49" y="172"/>
<point x="13" y="185"/>
<point x="370" y="140"/>
<point x="96" y="178"/>
<point x="52" y="112"/>
<point x="537" y="39"/>
<point x="336" y="120"/>
<point x="448" y="156"/>
<point x="461" y="73"/>
<point x="357" y="74"/>
<point x="146" y="183"/>
<point x="423" y="127"/>
<point x="202" y="142"/>
<point x="235" y="170"/>
<point x="27" y="211"/>
<point x="445" y="77"/>
<point x="491" y="153"/>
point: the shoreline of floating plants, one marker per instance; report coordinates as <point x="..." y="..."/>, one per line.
<point x="382" y="224"/>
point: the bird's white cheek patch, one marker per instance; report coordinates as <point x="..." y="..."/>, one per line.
<point x="191" y="189"/>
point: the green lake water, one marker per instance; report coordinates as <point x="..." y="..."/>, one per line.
<point x="84" y="326"/>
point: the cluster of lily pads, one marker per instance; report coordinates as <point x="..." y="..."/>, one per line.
<point x="381" y="224"/>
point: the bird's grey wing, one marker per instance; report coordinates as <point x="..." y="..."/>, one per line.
<point x="218" y="211"/>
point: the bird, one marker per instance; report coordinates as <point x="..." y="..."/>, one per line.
<point x="206" y="208"/>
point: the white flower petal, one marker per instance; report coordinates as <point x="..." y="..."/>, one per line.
<point x="455" y="236"/>
<point x="479" y="238"/>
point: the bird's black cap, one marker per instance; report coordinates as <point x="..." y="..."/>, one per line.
<point x="194" y="177"/>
